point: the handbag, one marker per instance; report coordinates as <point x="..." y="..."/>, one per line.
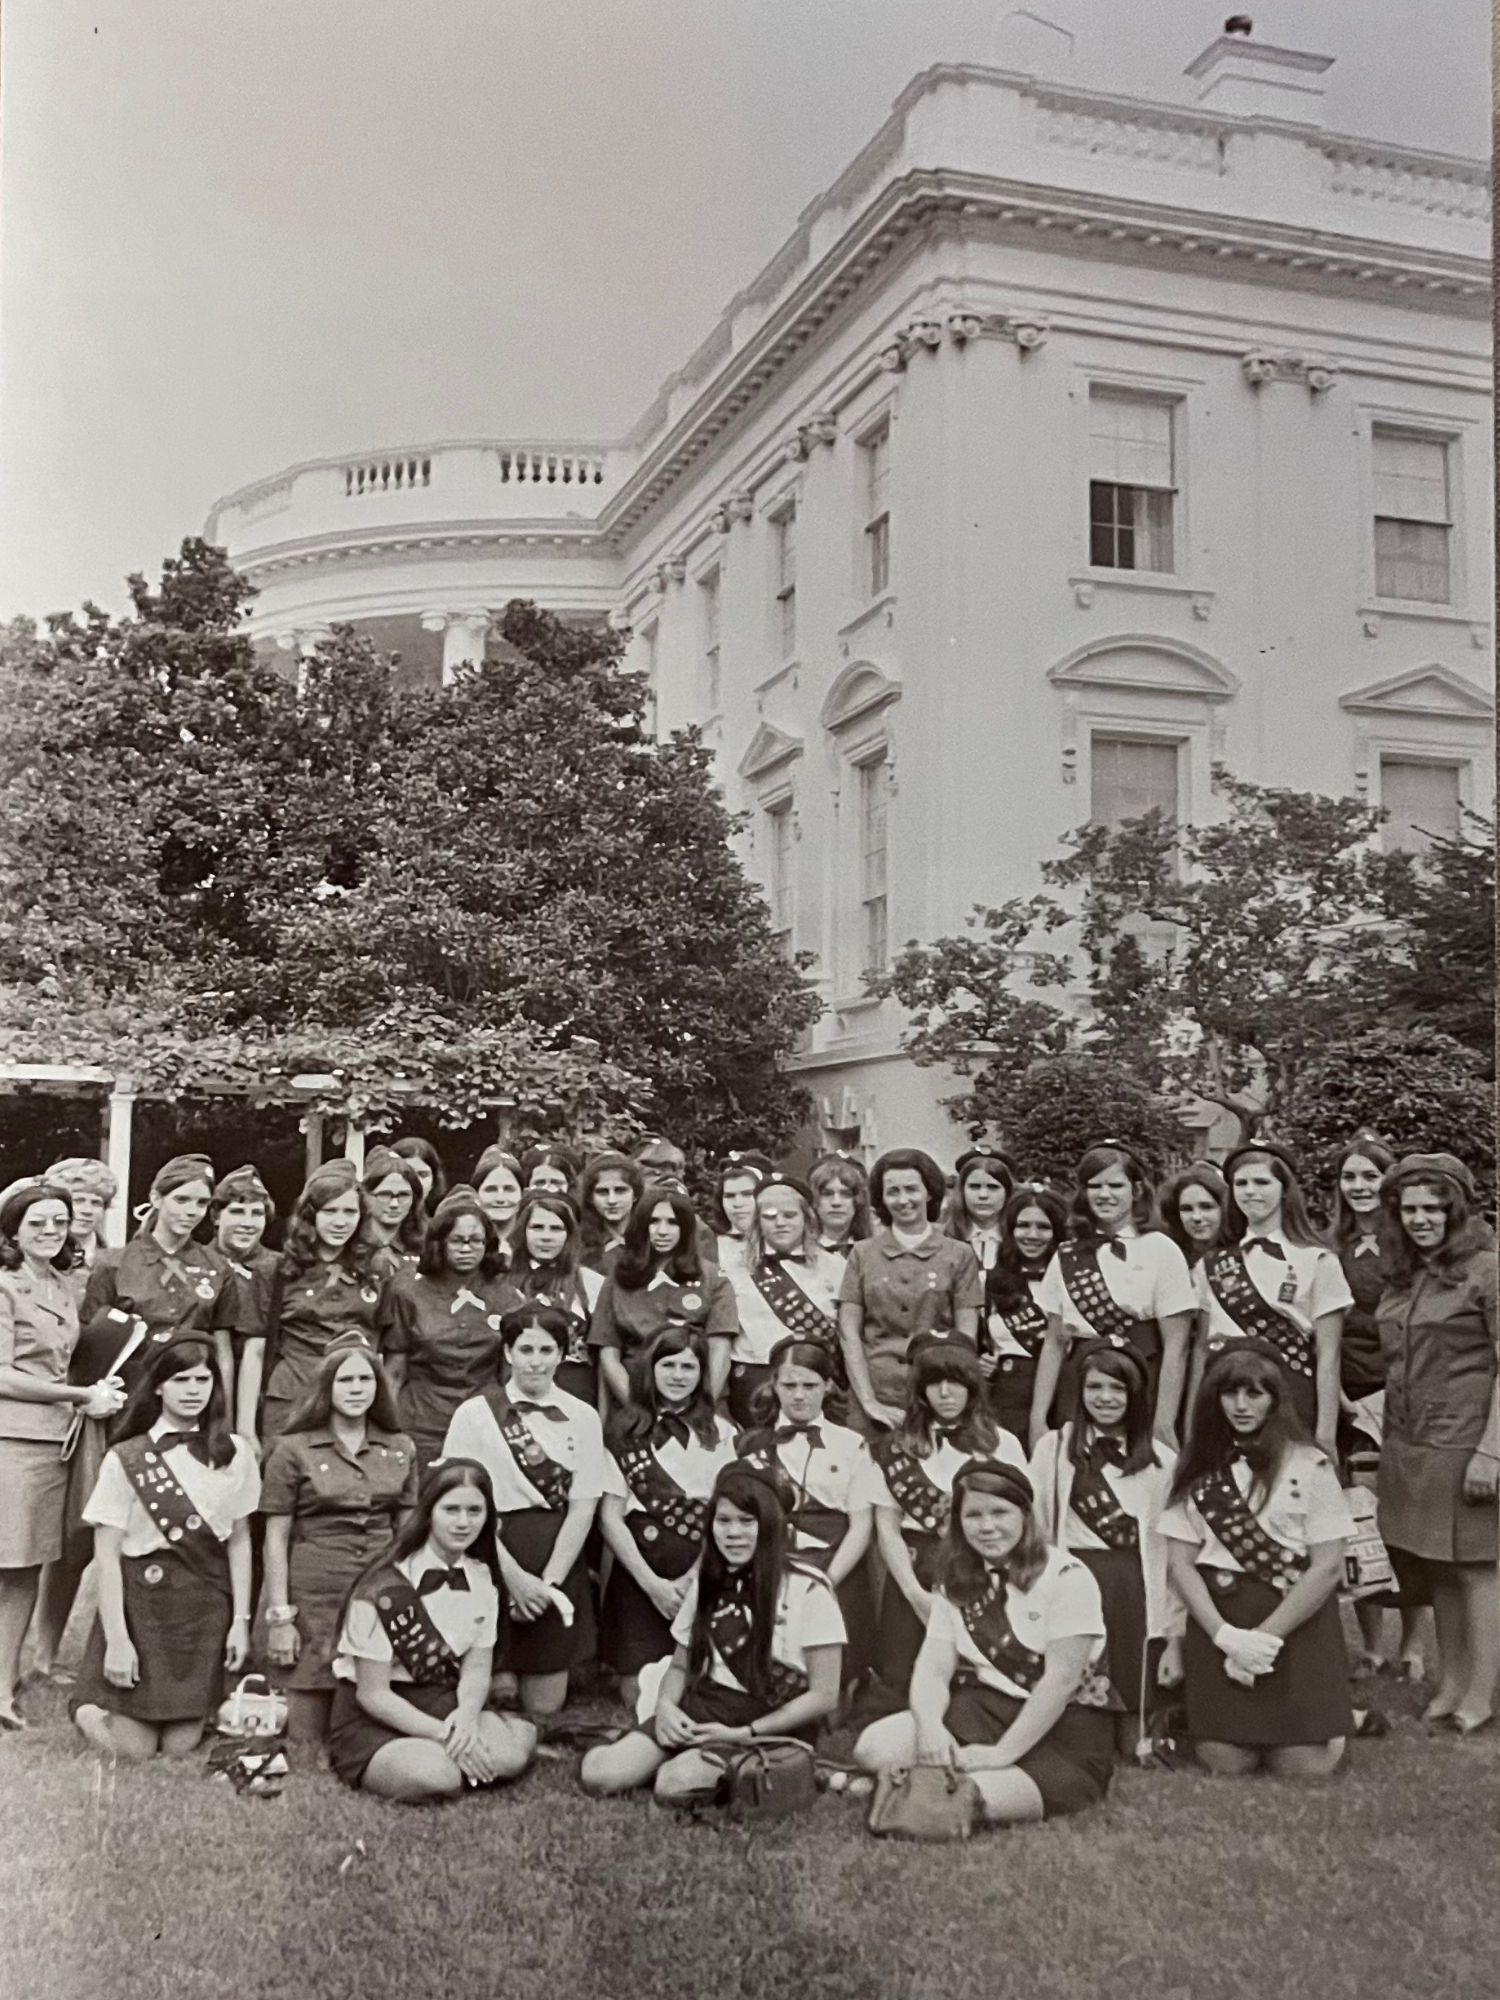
<point x="254" y="1709"/>
<point x="933" y="1802"/>
<point x="1367" y="1562"/>
<point x="765" y="1779"/>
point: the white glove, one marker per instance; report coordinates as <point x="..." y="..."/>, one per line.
<point x="104" y="1399"/>
<point x="1254" y="1652"/>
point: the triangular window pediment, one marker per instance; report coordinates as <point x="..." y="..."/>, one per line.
<point x="859" y="691"/>
<point x="1147" y="665"/>
<point x="768" y="748"/>
<point x="1432" y="690"/>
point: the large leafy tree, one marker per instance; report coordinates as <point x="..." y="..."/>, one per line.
<point x="501" y="889"/>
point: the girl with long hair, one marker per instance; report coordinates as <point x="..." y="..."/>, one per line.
<point x="1032" y="1224"/>
<point x="337" y="1485"/>
<point x="411" y="1719"/>
<point x="1274" y="1279"/>
<point x="783" y="1284"/>
<point x="1101" y="1483"/>
<point x="610" y="1187"/>
<point x="667" y="1447"/>
<point x="331" y="1282"/>
<point x="983" y="1182"/>
<point x="840" y="1190"/>
<point x="171" y="1518"/>
<point x="946" y="1422"/>
<point x="394" y="1205"/>
<point x="547" y="1268"/>
<point x="496" y="1180"/>
<point x="1440" y="1453"/>
<point x="831" y="1476"/>
<point x="906" y="1281"/>
<point x="758" y="1639"/>
<point x="739" y="1176"/>
<point x="1121" y="1279"/>
<point x="1004" y="1686"/>
<point x="544" y="1452"/>
<point x="549" y="1169"/>
<point x="426" y="1162"/>
<point x="660" y="1279"/>
<point x="1256" y="1524"/>
<point x="443" y="1341"/>
<point x="1194" y="1205"/>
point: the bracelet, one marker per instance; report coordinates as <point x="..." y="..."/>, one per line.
<point x="281" y="1614"/>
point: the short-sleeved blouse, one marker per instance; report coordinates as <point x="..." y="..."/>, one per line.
<point x="1151" y="1281"/>
<point x="189" y="1290"/>
<point x="1063" y="1603"/>
<point x="448" y="1329"/>
<point x="222" y="1494"/>
<point x="807" y="1616"/>
<point x="1305" y="1505"/>
<point x="38" y="1332"/>
<point x="312" y="1477"/>
<point x="465" y="1618"/>
<point x="631" y="1319"/>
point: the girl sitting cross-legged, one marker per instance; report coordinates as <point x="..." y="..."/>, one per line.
<point x="759" y="1643"/>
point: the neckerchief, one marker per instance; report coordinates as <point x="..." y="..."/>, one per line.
<point x="415" y="1640"/>
<point x="926" y="1506"/>
<point x="1095" y="1501"/>
<point x="791" y="1305"/>
<point x="1227" y="1512"/>
<point x="553" y="1481"/>
<point x="173" y="1512"/>
<point x="1099" y="1306"/>
<point x="1235" y="1290"/>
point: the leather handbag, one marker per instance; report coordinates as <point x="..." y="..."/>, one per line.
<point x="254" y="1709"/>
<point x="933" y="1802"/>
<point x="765" y="1779"/>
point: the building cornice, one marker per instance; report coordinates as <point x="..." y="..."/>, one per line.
<point x="444" y="538"/>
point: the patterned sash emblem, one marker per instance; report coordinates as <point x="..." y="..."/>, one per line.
<point x="172" y="1512"/>
<point x="926" y="1506"/>
<point x="659" y="1493"/>
<point x="415" y="1640"/>
<point x="553" y="1481"/>
<point x="1224" y="1508"/>
<point x="1097" y="1505"/>
<point x="731" y="1631"/>
<point x="1098" y="1304"/>
<point x="791" y="1305"/>
<point x="1238" y="1294"/>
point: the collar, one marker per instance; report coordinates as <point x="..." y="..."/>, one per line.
<point x="161" y="1427"/>
<point x="427" y="1557"/>
<point x="926" y="1248"/>
<point x="551" y="1399"/>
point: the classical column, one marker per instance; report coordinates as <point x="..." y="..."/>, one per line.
<point x="354" y="1145"/>
<point x="119" y="1116"/>
<point x="464" y="634"/>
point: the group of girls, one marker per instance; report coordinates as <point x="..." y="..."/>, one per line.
<point x="999" y="1466"/>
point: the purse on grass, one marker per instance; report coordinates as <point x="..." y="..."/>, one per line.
<point x="254" y="1709"/>
<point x="934" y="1802"/>
<point x="765" y="1779"/>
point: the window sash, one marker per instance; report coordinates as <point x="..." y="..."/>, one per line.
<point x="1130" y="441"/>
<point x="1131" y="776"/>
<point x="779" y="868"/>
<point x="1413" y="561"/>
<point x="1130" y="527"/>
<point x="1423" y="801"/>
<point x="878" y="554"/>
<point x="1411" y="478"/>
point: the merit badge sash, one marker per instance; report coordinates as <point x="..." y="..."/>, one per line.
<point x="1097" y="1505"/>
<point x="988" y="1624"/>
<point x="1024" y="1328"/>
<point x="173" y="1513"/>
<point x="415" y="1640"/>
<point x="926" y="1506"/>
<point x="1098" y="1304"/>
<point x="1227" y="1512"/>
<point x="553" y="1481"/>
<point x="666" y="1504"/>
<point x="1241" y="1298"/>
<point x="791" y="1305"/>
<point x="731" y="1632"/>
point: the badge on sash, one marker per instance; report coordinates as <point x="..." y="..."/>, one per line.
<point x="691" y="1302"/>
<point x="152" y="1574"/>
<point x="532" y="1454"/>
<point x="205" y="1289"/>
<point x="165" y="1334"/>
<point x="369" y="1294"/>
<point x="1288" y="1293"/>
<point x="650" y="1532"/>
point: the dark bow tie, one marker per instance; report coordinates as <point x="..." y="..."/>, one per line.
<point x="670" y="1425"/>
<point x="542" y="1409"/>
<point x="786" y="1256"/>
<point x="442" y="1579"/>
<point x="813" y="1432"/>
<point x="170" y="1439"/>
<point x="1264" y="1243"/>
<point x="1117" y="1249"/>
<point x="1107" y="1446"/>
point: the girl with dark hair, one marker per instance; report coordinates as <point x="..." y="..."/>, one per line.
<point x="840" y="1191"/>
<point x="40" y="1409"/>
<point x="1101" y="1483"/>
<point x="906" y="1281"/>
<point x="1004" y="1686"/>
<point x="667" y="1448"/>
<point x="330" y="1283"/>
<point x="165" y="1278"/>
<point x="427" y="1164"/>
<point x="498" y="1184"/>
<point x="758" y="1644"/>
<point x="546" y="1267"/>
<point x="660" y="1280"/>
<point x="1194" y="1205"/>
<point x="1256" y="1525"/>
<point x="1032" y="1224"/>
<point x="1440" y="1453"/>
<point x="611" y="1186"/>
<point x="171" y="1513"/>
<point x="442" y="1344"/>
<point x="337" y="1485"/>
<point x="783" y="1284"/>
<point x="394" y="1205"/>
<point x="411" y="1719"/>
<point x="832" y="1479"/>
<point x="946" y="1422"/>
<point x="549" y="1169"/>
<point x="1122" y="1280"/>
<point x="544" y="1452"/>
<point x="1273" y="1279"/>
<point x="983" y="1181"/>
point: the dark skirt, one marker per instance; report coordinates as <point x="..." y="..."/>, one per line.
<point x="1010" y="1393"/>
<point x="856" y="1594"/>
<point x="178" y="1622"/>
<point x="633" y="1631"/>
<point x="725" y="1708"/>
<point x="1422" y="1509"/>
<point x="746" y="1379"/>
<point x="321" y="1566"/>
<point x="1122" y="1589"/>
<point x="900" y="1632"/>
<point x="544" y="1645"/>
<point x="1070" y="1767"/>
<point x="354" y="1736"/>
<point x="1304" y="1698"/>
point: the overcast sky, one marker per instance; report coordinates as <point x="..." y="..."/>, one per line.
<point x="238" y="234"/>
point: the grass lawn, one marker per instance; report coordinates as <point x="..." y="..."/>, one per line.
<point x="147" y="1882"/>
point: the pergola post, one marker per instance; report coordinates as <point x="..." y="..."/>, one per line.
<point x="313" y="1157"/>
<point x="120" y="1116"/>
<point x="354" y="1145"/>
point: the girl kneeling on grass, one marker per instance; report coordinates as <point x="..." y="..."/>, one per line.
<point x="759" y="1645"/>
<point x="410" y="1719"/>
<point x="170" y="1513"/>
<point x="1256" y="1530"/>
<point x="1003" y="1686"/>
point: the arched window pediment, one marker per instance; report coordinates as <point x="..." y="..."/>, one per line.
<point x="860" y="690"/>
<point x="1146" y="664"/>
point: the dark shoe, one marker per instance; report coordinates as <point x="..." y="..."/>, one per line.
<point x="1372" y="1723"/>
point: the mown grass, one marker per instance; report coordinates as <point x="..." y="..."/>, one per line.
<point x="139" y="1883"/>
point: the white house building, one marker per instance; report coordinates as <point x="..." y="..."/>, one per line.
<point x="1070" y="444"/>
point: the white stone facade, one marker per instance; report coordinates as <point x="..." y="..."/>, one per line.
<point x="1070" y="444"/>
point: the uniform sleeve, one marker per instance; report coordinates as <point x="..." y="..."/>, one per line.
<point x="863" y="1489"/>
<point x="687" y="1611"/>
<point x="400" y="1318"/>
<point x="878" y="1487"/>
<point x="1074" y="1608"/>
<point x="109" y="1504"/>
<point x="282" y="1477"/>
<point x="819" y="1619"/>
<point x="604" y="1329"/>
<point x="100" y="1292"/>
<point x="1173" y="1290"/>
<point x="851" y="1285"/>
<point x="1010" y="1451"/>
<point x="589" y="1470"/>
<point x="1330" y="1291"/>
<point x="7" y="1328"/>
<point x="363" y="1636"/>
<point x="463" y="1437"/>
<point x="968" y="1281"/>
<point x="413" y="1479"/>
<point x="1328" y="1518"/>
<point x="616" y="1486"/>
<point x="234" y="1307"/>
<point x="723" y="1313"/>
<point x="243" y="1495"/>
<point x="487" y="1622"/>
<point x="1052" y="1293"/>
<point x="1180" y="1523"/>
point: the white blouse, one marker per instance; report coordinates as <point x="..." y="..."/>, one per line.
<point x="221" y="1494"/>
<point x="465" y="1618"/>
<point x="694" y="1465"/>
<point x="1305" y="1505"/>
<point x="1063" y="1603"/>
<point x="818" y="1274"/>
<point x="942" y="1468"/>
<point x="1313" y="1276"/>
<point x="574" y="1438"/>
<point x="1151" y="1281"/>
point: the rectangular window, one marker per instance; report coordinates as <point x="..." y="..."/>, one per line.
<point x="1413" y="521"/>
<point x="876" y="451"/>
<point x="785" y="530"/>
<point x="1423" y="803"/>
<point x="1132" y="482"/>
<point x="713" y="689"/>
<point x="779" y="871"/>
<point x="874" y="795"/>
<point x="1129" y="777"/>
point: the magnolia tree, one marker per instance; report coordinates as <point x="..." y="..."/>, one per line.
<point x="500" y="891"/>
